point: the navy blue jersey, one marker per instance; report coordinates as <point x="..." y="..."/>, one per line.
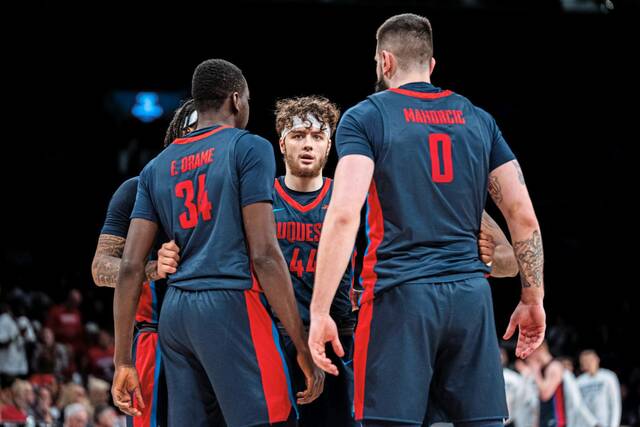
<point x="299" y="217"/>
<point x="433" y="152"/>
<point x="196" y="189"/>
<point x="116" y="223"/>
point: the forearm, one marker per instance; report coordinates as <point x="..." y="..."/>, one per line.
<point x="127" y="295"/>
<point x="271" y="271"/>
<point x="105" y="270"/>
<point x="151" y="270"/>
<point x="545" y="388"/>
<point x="334" y="252"/>
<point x="527" y="246"/>
<point x="508" y="190"/>
<point x="504" y="263"/>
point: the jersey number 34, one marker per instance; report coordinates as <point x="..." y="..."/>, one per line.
<point x="201" y="205"/>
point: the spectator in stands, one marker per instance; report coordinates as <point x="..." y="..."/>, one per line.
<point x="49" y="357"/>
<point x="600" y="389"/>
<point x="100" y="357"/>
<point x="76" y="415"/>
<point x="13" y="357"/>
<point x="99" y="391"/>
<point x="20" y="404"/>
<point x="44" y="411"/>
<point x="65" y="321"/>
<point x="105" y="416"/>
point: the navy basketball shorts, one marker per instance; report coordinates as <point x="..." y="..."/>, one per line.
<point x="147" y="358"/>
<point x="334" y="407"/>
<point x="429" y="353"/>
<point x="222" y="352"/>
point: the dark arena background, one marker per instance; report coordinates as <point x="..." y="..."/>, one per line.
<point x="92" y="92"/>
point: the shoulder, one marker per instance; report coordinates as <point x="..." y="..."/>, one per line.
<point x="250" y="139"/>
<point x="130" y="186"/>
<point x="610" y="375"/>
<point x="250" y="145"/>
<point x="363" y="111"/>
<point x="482" y="114"/>
<point x="555" y="367"/>
<point x="511" y="375"/>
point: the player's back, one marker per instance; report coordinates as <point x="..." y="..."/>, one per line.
<point x="433" y="153"/>
<point x="195" y="188"/>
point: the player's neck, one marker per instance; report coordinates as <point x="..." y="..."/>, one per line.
<point x="209" y="119"/>
<point x="401" y="79"/>
<point x="303" y="184"/>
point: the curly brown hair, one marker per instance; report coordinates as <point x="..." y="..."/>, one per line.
<point x="324" y="110"/>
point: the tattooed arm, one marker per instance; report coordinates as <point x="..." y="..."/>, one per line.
<point x="509" y="192"/>
<point x="106" y="261"/>
<point x="504" y="263"/>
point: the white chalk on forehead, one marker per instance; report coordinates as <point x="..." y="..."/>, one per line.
<point x="309" y="122"/>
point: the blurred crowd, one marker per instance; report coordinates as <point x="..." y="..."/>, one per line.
<point x="55" y="369"/>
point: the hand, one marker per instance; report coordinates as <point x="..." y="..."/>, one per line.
<point x="487" y="247"/>
<point x="313" y="377"/>
<point x="125" y="386"/>
<point x="168" y="259"/>
<point x="531" y="322"/>
<point x="322" y="330"/>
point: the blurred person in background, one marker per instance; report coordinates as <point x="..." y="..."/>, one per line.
<point x="76" y="415"/>
<point x="600" y="389"/>
<point x="71" y="393"/>
<point x="49" y="357"/>
<point x="44" y="411"/>
<point x="100" y="356"/>
<point x="561" y="403"/>
<point x="522" y="395"/>
<point x="20" y="402"/>
<point x="13" y="356"/>
<point x="65" y="320"/>
<point x="98" y="390"/>
<point x="105" y="416"/>
<point x="568" y="364"/>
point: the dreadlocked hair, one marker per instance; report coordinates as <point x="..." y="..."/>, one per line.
<point x="176" y="127"/>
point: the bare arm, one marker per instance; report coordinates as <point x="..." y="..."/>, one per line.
<point x="352" y="181"/>
<point x="504" y="259"/>
<point x="106" y="261"/>
<point x="275" y="280"/>
<point x="271" y="269"/>
<point x="131" y="275"/>
<point x="509" y="192"/>
<point x="351" y="184"/>
<point x="553" y="377"/>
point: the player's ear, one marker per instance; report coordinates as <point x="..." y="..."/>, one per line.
<point x="282" y="146"/>
<point x="235" y="102"/>
<point x="432" y="65"/>
<point x="389" y="64"/>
